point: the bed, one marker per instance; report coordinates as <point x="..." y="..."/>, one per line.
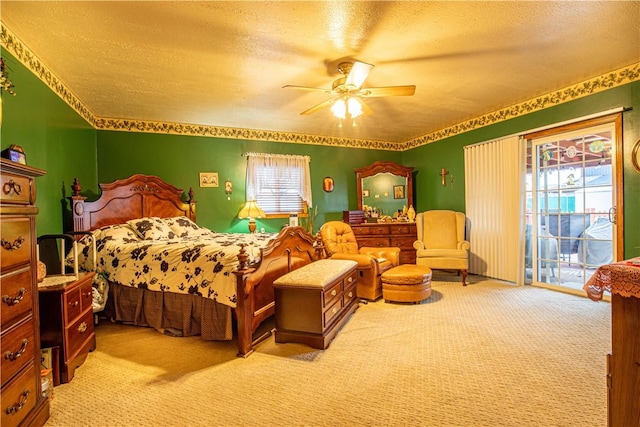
<point x="142" y="296"/>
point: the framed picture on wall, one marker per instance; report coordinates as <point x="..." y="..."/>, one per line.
<point x="208" y="179"/>
<point x="398" y="191"/>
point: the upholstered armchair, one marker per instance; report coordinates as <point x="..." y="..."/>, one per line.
<point x="340" y="243"/>
<point x="441" y="242"/>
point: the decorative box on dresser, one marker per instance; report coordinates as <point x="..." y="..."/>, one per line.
<point x="389" y="234"/>
<point x="66" y="316"/>
<point x="22" y="401"/>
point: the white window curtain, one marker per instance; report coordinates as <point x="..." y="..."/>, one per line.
<point x="494" y="196"/>
<point x="292" y="169"/>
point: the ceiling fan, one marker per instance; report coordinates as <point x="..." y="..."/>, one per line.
<point x="347" y="91"/>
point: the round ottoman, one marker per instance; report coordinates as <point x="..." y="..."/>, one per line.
<point x="406" y="283"/>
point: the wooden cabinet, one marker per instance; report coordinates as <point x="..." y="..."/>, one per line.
<point x="315" y="301"/>
<point x="398" y="234"/>
<point x="21" y="395"/>
<point x="623" y="364"/>
<point x="66" y="315"/>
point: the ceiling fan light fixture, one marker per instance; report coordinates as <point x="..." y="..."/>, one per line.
<point x="339" y="109"/>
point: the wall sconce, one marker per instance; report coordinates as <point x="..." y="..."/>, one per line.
<point x="251" y="210"/>
<point x="443" y="174"/>
<point x="228" y="188"/>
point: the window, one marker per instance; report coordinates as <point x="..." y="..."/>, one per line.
<point x="279" y="183"/>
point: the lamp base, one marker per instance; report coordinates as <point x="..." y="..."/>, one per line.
<point x="252" y="226"/>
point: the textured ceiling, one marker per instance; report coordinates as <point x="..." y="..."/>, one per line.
<point x="224" y="63"/>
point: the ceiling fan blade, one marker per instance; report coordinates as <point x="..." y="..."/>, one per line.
<point x="312" y="89"/>
<point x="318" y="107"/>
<point x="358" y="74"/>
<point x="366" y="110"/>
<point x="372" y="92"/>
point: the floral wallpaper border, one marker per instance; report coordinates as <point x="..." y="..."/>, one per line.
<point x="607" y="81"/>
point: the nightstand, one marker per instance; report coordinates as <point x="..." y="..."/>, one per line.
<point x="66" y="321"/>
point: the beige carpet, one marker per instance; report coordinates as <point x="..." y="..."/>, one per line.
<point x="488" y="354"/>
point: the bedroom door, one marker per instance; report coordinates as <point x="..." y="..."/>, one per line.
<point x="573" y="226"/>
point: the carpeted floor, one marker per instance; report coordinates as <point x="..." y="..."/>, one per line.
<point x="488" y="354"/>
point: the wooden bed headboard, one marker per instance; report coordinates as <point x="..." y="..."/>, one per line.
<point x="135" y="197"/>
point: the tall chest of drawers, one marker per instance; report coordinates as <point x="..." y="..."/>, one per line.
<point x="392" y="234"/>
<point x="22" y="402"/>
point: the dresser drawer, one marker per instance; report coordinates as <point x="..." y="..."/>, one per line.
<point x="19" y="397"/>
<point x="16" y="294"/>
<point x="408" y="257"/>
<point x="370" y="230"/>
<point x="350" y="280"/>
<point x="332" y="312"/>
<point x="77" y="333"/>
<point x="86" y="295"/>
<point x="403" y="242"/>
<point x="348" y="295"/>
<point x="404" y="229"/>
<point x="16" y="189"/>
<point x="17" y="348"/>
<point x="15" y="241"/>
<point x="72" y="305"/>
<point x="331" y="294"/>
<point x="373" y="242"/>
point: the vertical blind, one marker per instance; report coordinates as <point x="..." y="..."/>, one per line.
<point x="494" y="197"/>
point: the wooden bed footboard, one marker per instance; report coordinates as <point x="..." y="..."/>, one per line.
<point x="291" y="249"/>
<point x="145" y="195"/>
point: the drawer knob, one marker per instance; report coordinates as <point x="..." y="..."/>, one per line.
<point x="13" y="301"/>
<point x="15" y="408"/>
<point x="350" y="279"/>
<point x="12" y="246"/>
<point x="74" y="304"/>
<point x="335" y="310"/>
<point x="13" y="356"/>
<point x="334" y="293"/>
<point x="350" y="294"/>
<point x="82" y="327"/>
<point x="12" y="186"/>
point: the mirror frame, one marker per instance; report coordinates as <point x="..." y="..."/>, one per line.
<point x="385" y="167"/>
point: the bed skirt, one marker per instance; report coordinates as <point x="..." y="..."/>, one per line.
<point x="172" y="314"/>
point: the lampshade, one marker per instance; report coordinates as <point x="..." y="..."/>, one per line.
<point x="251" y="210"/>
<point x="347" y="107"/>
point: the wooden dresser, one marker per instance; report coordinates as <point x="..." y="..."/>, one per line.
<point x="21" y="396"/>
<point x="392" y="234"/>
<point x="66" y="315"/>
<point x="315" y="301"/>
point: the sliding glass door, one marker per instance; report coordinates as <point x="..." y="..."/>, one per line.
<point x="571" y="204"/>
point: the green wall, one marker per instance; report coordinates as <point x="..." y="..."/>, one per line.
<point x="54" y="137"/>
<point x="448" y="153"/>
<point x="179" y="160"/>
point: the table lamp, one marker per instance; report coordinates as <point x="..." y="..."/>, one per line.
<point x="252" y="211"/>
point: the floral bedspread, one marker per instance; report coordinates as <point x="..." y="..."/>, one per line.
<point x="201" y="263"/>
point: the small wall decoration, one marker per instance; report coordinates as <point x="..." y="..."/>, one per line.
<point x="635" y="156"/>
<point x="365" y="193"/>
<point x="398" y="191"/>
<point x="228" y="188"/>
<point x="327" y="184"/>
<point x="208" y="179"/>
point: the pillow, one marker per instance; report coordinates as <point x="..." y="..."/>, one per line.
<point x="151" y="228"/>
<point x="184" y="227"/>
<point x="119" y="231"/>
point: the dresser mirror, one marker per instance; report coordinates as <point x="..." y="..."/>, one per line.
<point x="386" y="187"/>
